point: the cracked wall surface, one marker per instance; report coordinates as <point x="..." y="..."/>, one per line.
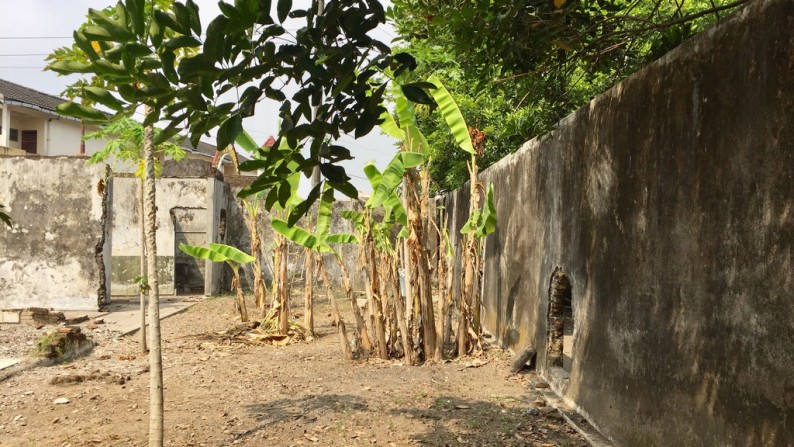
<point x="54" y="255"/>
<point x="668" y="201"/>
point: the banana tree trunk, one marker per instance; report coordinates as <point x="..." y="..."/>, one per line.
<point x="399" y="307"/>
<point x="238" y="289"/>
<point x="284" y="292"/>
<point x="418" y="253"/>
<point x="155" y="355"/>
<point x="361" y="325"/>
<point x="260" y="290"/>
<point x="340" y="324"/>
<point x="374" y="292"/>
<point x="308" y="317"/>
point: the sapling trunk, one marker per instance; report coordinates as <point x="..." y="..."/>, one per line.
<point x="155" y="355"/>
<point x="142" y="290"/>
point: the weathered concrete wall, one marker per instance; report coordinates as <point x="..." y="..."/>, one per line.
<point x="668" y="203"/>
<point x="54" y="255"/>
<point x="186" y="212"/>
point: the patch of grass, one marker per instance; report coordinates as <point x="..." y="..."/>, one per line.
<point x="48" y="344"/>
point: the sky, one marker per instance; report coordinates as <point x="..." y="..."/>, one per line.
<point x="31" y="29"/>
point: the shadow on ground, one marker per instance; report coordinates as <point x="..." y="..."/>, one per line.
<point x="452" y="421"/>
<point x="303" y="410"/>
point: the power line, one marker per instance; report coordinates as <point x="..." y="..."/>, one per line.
<point x="33" y="37"/>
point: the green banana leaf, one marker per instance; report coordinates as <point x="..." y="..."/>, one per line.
<point x="390" y="127"/>
<point x="393" y="176"/>
<point x="295" y="234"/>
<point x="217" y="253"/>
<point x="414" y="140"/>
<point x="324" y="211"/>
<point x="232" y="253"/>
<point x="451" y="113"/>
<point x="342" y="238"/>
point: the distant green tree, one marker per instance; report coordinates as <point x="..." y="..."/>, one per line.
<point x="517" y="68"/>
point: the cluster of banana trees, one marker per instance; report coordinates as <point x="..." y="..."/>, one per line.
<point x="403" y="241"/>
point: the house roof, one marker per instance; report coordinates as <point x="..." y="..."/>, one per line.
<point x="35" y="98"/>
<point x="29" y="96"/>
<point x="203" y="148"/>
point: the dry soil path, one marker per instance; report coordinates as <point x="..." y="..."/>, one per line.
<point x="221" y="394"/>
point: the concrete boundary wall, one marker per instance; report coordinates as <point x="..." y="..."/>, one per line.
<point x="188" y="210"/>
<point x="668" y="202"/>
<point x="56" y="253"/>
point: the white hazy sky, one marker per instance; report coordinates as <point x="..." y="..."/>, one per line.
<point x="31" y="29"/>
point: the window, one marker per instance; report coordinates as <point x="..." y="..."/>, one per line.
<point x="13" y="135"/>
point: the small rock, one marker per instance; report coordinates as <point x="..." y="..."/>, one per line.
<point x="539" y="403"/>
<point x="61" y="401"/>
<point x="91" y="325"/>
<point x="99" y="320"/>
<point x="56" y="420"/>
<point x="547" y="410"/>
<point x="541" y="385"/>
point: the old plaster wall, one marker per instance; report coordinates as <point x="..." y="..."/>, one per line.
<point x="187" y="211"/>
<point x="55" y="254"/>
<point x="668" y="203"/>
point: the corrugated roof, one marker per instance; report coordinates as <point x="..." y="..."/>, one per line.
<point x="30" y="96"/>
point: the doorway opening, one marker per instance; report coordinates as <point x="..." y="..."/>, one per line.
<point x="190" y="227"/>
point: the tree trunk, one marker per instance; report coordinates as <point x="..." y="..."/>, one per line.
<point x="416" y="243"/>
<point x="143" y="291"/>
<point x="238" y="289"/>
<point x="340" y="325"/>
<point x="399" y="308"/>
<point x="469" y="323"/>
<point x="374" y="292"/>
<point x="308" y="310"/>
<point x="284" y="292"/>
<point x="252" y="218"/>
<point x="366" y="341"/>
<point x="155" y="355"/>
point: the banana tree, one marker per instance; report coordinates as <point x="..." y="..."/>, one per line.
<point x="482" y="221"/>
<point x="386" y="304"/>
<point x="284" y="202"/>
<point x="251" y="205"/>
<point x="320" y="242"/>
<point x="231" y="256"/>
<point x="416" y="250"/>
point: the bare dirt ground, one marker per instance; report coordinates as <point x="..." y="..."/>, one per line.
<point x="219" y="393"/>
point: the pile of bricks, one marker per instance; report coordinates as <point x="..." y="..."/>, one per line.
<point x="34" y="316"/>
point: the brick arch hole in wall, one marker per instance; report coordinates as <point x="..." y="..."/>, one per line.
<point x="560" y="321"/>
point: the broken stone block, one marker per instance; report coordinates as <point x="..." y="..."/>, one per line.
<point x="11" y="316"/>
<point x="63" y="346"/>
